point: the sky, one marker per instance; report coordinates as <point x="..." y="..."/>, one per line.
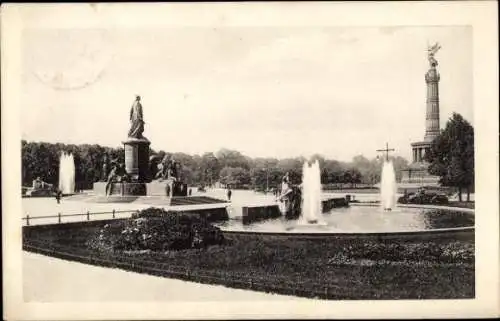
<point x="264" y="91"/>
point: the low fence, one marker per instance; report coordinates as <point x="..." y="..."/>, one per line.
<point x="211" y="214"/>
<point x="87" y="215"/>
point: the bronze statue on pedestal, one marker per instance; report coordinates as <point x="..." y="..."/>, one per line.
<point x="136" y="119"/>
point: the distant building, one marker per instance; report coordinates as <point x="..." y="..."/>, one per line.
<point x="416" y="175"/>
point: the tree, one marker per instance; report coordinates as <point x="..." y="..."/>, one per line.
<point x="451" y="155"/>
<point x="259" y="177"/>
<point x="209" y="168"/>
<point x="368" y="170"/>
<point x="232" y="158"/>
<point x="294" y="167"/>
<point x="334" y="170"/>
<point x="261" y="162"/>
<point x="236" y="177"/>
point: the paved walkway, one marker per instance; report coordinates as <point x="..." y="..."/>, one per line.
<point x="46" y="279"/>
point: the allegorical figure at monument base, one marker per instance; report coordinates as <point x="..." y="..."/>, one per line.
<point x="136" y="119"/>
<point x="105" y="168"/>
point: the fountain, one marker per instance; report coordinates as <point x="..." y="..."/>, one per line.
<point x="67" y="173"/>
<point x="315" y="217"/>
<point x="311" y="194"/>
<point x="388" y="187"/>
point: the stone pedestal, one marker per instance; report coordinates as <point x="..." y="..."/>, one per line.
<point x="137" y="158"/>
<point x="167" y="188"/>
<point x="180" y="189"/>
<point x="120" y="189"/>
<point x="157" y="188"/>
<point x="99" y="188"/>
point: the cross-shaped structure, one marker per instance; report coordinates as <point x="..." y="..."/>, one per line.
<point x="386" y="150"/>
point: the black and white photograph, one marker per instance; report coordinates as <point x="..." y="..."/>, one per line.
<point x="249" y="160"/>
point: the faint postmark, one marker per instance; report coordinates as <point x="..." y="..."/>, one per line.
<point x="70" y="59"/>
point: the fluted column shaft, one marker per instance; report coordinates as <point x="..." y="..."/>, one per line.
<point x="432" y="111"/>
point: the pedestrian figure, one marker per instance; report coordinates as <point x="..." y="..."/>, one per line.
<point x="168" y="190"/>
<point x="190" y="191"/>
<point x="58" y="196"/>
<point x="229" y="192"/>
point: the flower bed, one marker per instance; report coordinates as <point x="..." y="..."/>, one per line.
<point x="156" y="230"/>
<point x="340" y="269"/>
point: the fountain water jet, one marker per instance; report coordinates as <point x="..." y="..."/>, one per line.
<point x="311" y="194"/>
<point x="388" y="187"/>
<point x="67" y="173"/>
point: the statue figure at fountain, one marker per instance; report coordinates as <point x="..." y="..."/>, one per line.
<point x="289" y="198"/>
<point x="431" y="51"/>
<point x="285" y="185"/>
<point x="136" y="119"/>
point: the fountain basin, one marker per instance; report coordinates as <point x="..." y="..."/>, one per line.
<point x="366" y="220"/>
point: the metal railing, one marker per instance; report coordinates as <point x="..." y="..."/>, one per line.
<point x="88" y="214"/>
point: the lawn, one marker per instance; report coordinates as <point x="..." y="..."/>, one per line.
<point x="327" y="268"/>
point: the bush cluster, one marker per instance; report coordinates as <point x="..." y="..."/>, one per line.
<point x="157" y="230"/>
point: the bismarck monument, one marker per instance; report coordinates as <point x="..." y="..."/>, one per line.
<point x="136" y="145"/>
<point x="137" y="177"/>
<point x="416" y="175"/>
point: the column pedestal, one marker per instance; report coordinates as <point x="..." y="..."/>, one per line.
<point x="137" y="158"/>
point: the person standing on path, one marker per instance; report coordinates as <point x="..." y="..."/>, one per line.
<point x="58" y="196"/>
<point x="229" y="193"/>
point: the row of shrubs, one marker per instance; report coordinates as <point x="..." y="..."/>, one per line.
<point x="157" y="230"/>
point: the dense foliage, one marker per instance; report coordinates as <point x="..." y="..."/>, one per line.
<point x="157" y="230"/>
<point x="451" y="155"/>
<point x="225" y="166"/>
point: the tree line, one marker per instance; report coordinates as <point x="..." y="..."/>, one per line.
<point x="228" y="167"/>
